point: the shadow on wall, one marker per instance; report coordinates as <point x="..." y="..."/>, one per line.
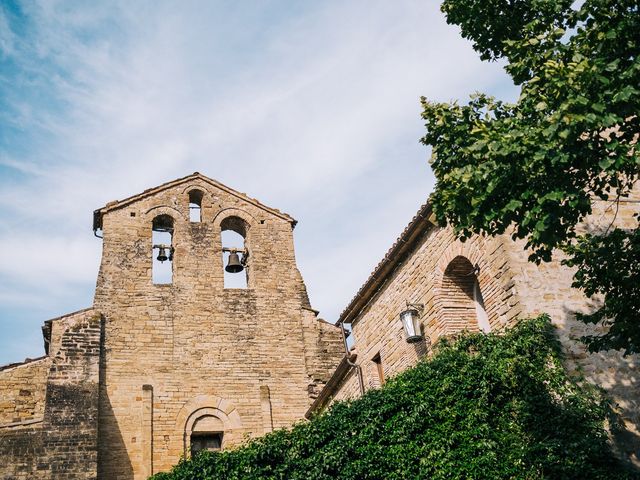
<point x="112" y="452"/>
<point x="610" y="370"/>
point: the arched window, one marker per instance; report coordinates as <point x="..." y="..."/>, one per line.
<point x="162" y="249"/>
<point x="195" y="206"/>
<point x="235" y="253"/>
<point x="207" y="433"/>
<point x="462" y="302"/>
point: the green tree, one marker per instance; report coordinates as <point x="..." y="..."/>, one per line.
<point x="535" y="166"/>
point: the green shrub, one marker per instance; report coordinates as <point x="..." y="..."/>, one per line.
<point x="482" y="407"/>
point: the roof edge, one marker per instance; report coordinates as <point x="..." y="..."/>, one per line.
<point x="26" y="361"/>
<point x="46" y="327"/>
<point x="421" y="222"/>
<point x="325" y="394"/>
<point x="117" y="204"/>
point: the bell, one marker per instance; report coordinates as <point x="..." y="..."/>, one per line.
<point x="234" y="265"/>
<point x="162" y="255"/>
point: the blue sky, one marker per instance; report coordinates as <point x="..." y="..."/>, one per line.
<point x="311" y="107"/>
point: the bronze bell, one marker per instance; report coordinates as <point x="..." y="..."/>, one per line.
<point x="162" y="255"/>
<point x="234" y="265"/>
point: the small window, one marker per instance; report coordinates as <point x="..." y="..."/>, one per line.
<point x="377" y="360"/>
<point x="206" y="434"/>
<point x="162" y="249"/>
<point x="211" y="442"/>
<point x="195" y="206"/>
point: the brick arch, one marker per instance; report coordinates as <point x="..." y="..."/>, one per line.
<point x="455" y="301"/>
<point x="457" y="289"/>
<point x="467" y="249"/>
<point x="201" y="406"/>
<point x="494" y="282"/>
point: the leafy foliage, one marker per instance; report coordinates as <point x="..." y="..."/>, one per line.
<point x="484" y="406"/>
<point x="537" y="165"/>
<point x="616" y="276"/>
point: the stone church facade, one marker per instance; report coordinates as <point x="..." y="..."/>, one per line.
<point x="130" y="384"/>
<point x="159" y="367"/>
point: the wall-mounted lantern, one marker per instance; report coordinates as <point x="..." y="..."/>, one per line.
<point x="410" y="319"/>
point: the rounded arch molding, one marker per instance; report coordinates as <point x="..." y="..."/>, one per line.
<point x="225" y="213"/>
<point x="202" y="186"/>
<point x="205" y="405"/>
<point x="163" y="210"/>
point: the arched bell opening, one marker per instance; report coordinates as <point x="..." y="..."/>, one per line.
<point x="462" y="301"/>
<point x="195" y="206"/>
<point x="235" y="252"/>
<point x="162" y="249"/>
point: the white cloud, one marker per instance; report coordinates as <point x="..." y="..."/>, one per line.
<point x="312" y="108"/>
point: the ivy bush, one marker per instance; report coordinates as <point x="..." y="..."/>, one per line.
<point x="482" y="407"/>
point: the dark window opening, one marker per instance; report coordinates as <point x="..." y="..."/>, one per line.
<point x="162" y="250"/>
<point x="377" y="360"/>
<point x="235" y="253"/>
<point x="195" y="206"/>
<point x="210" y="441"/>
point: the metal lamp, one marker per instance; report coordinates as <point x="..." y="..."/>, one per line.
<point x="410" y="319"/>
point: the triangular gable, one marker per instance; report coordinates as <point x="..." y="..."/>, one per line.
<point x="117" y="204"/>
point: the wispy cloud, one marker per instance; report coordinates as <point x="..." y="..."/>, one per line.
<point x="312" y="108"/>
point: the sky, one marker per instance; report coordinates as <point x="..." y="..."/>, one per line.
<point x="311" y="107"/>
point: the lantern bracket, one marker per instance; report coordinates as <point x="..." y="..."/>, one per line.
<point x="417" y="306"/>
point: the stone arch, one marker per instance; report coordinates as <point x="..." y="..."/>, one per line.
<point x="163" y="210"/>
<point x="208" y="199"/>
<point x="198" y="186"/>
<point x="200" y="408"/>
<point x="225" y="213"/>
<point x="240" y="223"/>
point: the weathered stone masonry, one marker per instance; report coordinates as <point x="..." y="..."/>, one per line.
<point x="175" y="360"/>
<point x="151" y="370"/>
<point x="59" y="438"/>
<point x="428" y="266"/>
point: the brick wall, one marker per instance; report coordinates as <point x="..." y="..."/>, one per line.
<point x="432" y="275"/>
<point x="434" y="271"/>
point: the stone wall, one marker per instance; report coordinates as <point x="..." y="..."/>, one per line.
<point x="252" y="358"/>
<point x="22" y="391"/>
<point x="547" y="289"/>
<point x="22" y="455"/>
<point x="511" y="288"/>
<point x="422" y="277"/>
<point x="71" y="411"/>
<point x="59" y="438"/>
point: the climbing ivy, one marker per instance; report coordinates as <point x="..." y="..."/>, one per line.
<point x="483" y="407"/>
